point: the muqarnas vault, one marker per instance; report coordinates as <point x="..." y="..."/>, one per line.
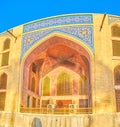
<point x="61" y="71"/>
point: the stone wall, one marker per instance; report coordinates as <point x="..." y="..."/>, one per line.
<point x="50" y="120"/>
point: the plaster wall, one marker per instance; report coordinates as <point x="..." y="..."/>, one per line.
<point x="102" y="82"/>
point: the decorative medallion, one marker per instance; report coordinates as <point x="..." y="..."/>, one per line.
<point x="83" y="33"/>
<point x="76" y="25"/>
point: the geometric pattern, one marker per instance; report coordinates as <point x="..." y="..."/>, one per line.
<point x="58" y="21"/>
<point x="83" y="33"/>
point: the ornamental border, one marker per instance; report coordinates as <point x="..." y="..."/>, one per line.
<point x="58" y="21"/>
<point x="82" y="33"/>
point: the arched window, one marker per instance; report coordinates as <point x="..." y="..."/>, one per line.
<point x="46" y="86"/>
<point x="117" y="75"/>
<point x="116" y="47"/>
<point x="3" y="81"/>
<point x="115" y="30"/>
<point x="5" y="52"/>
<point x="83" y="85"/>
<point x="64" y="84"/>
<point x="6" y="44"/>
<point x="3" y="85"/>
<point x="117" y="86"/>
<point x="5" y="58"/>
<point x="33" y="84"/>
<point x="33" y="102"/>
<point x="2" y="100"/>
<point x="28" y="101"/>
<point x="34" y="67"/>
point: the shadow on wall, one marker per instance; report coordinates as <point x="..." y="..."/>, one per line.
<point x="104" y="98"/>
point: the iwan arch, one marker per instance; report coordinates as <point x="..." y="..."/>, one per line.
<point x="62" y="71"/>
<point x="64" y="66"/>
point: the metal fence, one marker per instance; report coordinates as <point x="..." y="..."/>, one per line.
<point x="56" y="110"/>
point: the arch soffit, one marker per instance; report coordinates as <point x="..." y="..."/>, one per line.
<point x="115" y="23"/>
<point x="113" y="19"/>
<point x="116" y="67"/>
<point x="2" y="73"/>
<point x="62" y="69"/>
<point x="64" y="36"/>
<point x="63" y="66"/>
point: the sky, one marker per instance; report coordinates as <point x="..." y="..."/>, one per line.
<point x="18" y="12"/>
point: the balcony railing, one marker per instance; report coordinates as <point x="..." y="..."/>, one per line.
<point x="56" y="110"/>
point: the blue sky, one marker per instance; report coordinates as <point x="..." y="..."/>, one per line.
<point x="17" y="12"/>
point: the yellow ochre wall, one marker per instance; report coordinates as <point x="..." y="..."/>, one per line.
<point x="102" y="69"/>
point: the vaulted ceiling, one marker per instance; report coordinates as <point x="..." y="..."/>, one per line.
<point x="58" y="51"/>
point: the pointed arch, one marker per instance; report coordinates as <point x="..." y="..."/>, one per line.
<point x="3" y="81"/>
<point x="64" y="84"/>
<point x="33" y="84"/>
<point x="46" y="86"/>
<point x="5" y="52"/>
<point x="117" y="86"/>
<point x="3" y="86"/>
<point x="6" y="44"/>
<point x="117" y="75"/>
<point x="115" y="30"/>
<point x="60" y="35"/>
<point x="56" y="51"/>
<point x="55" y="40"/>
